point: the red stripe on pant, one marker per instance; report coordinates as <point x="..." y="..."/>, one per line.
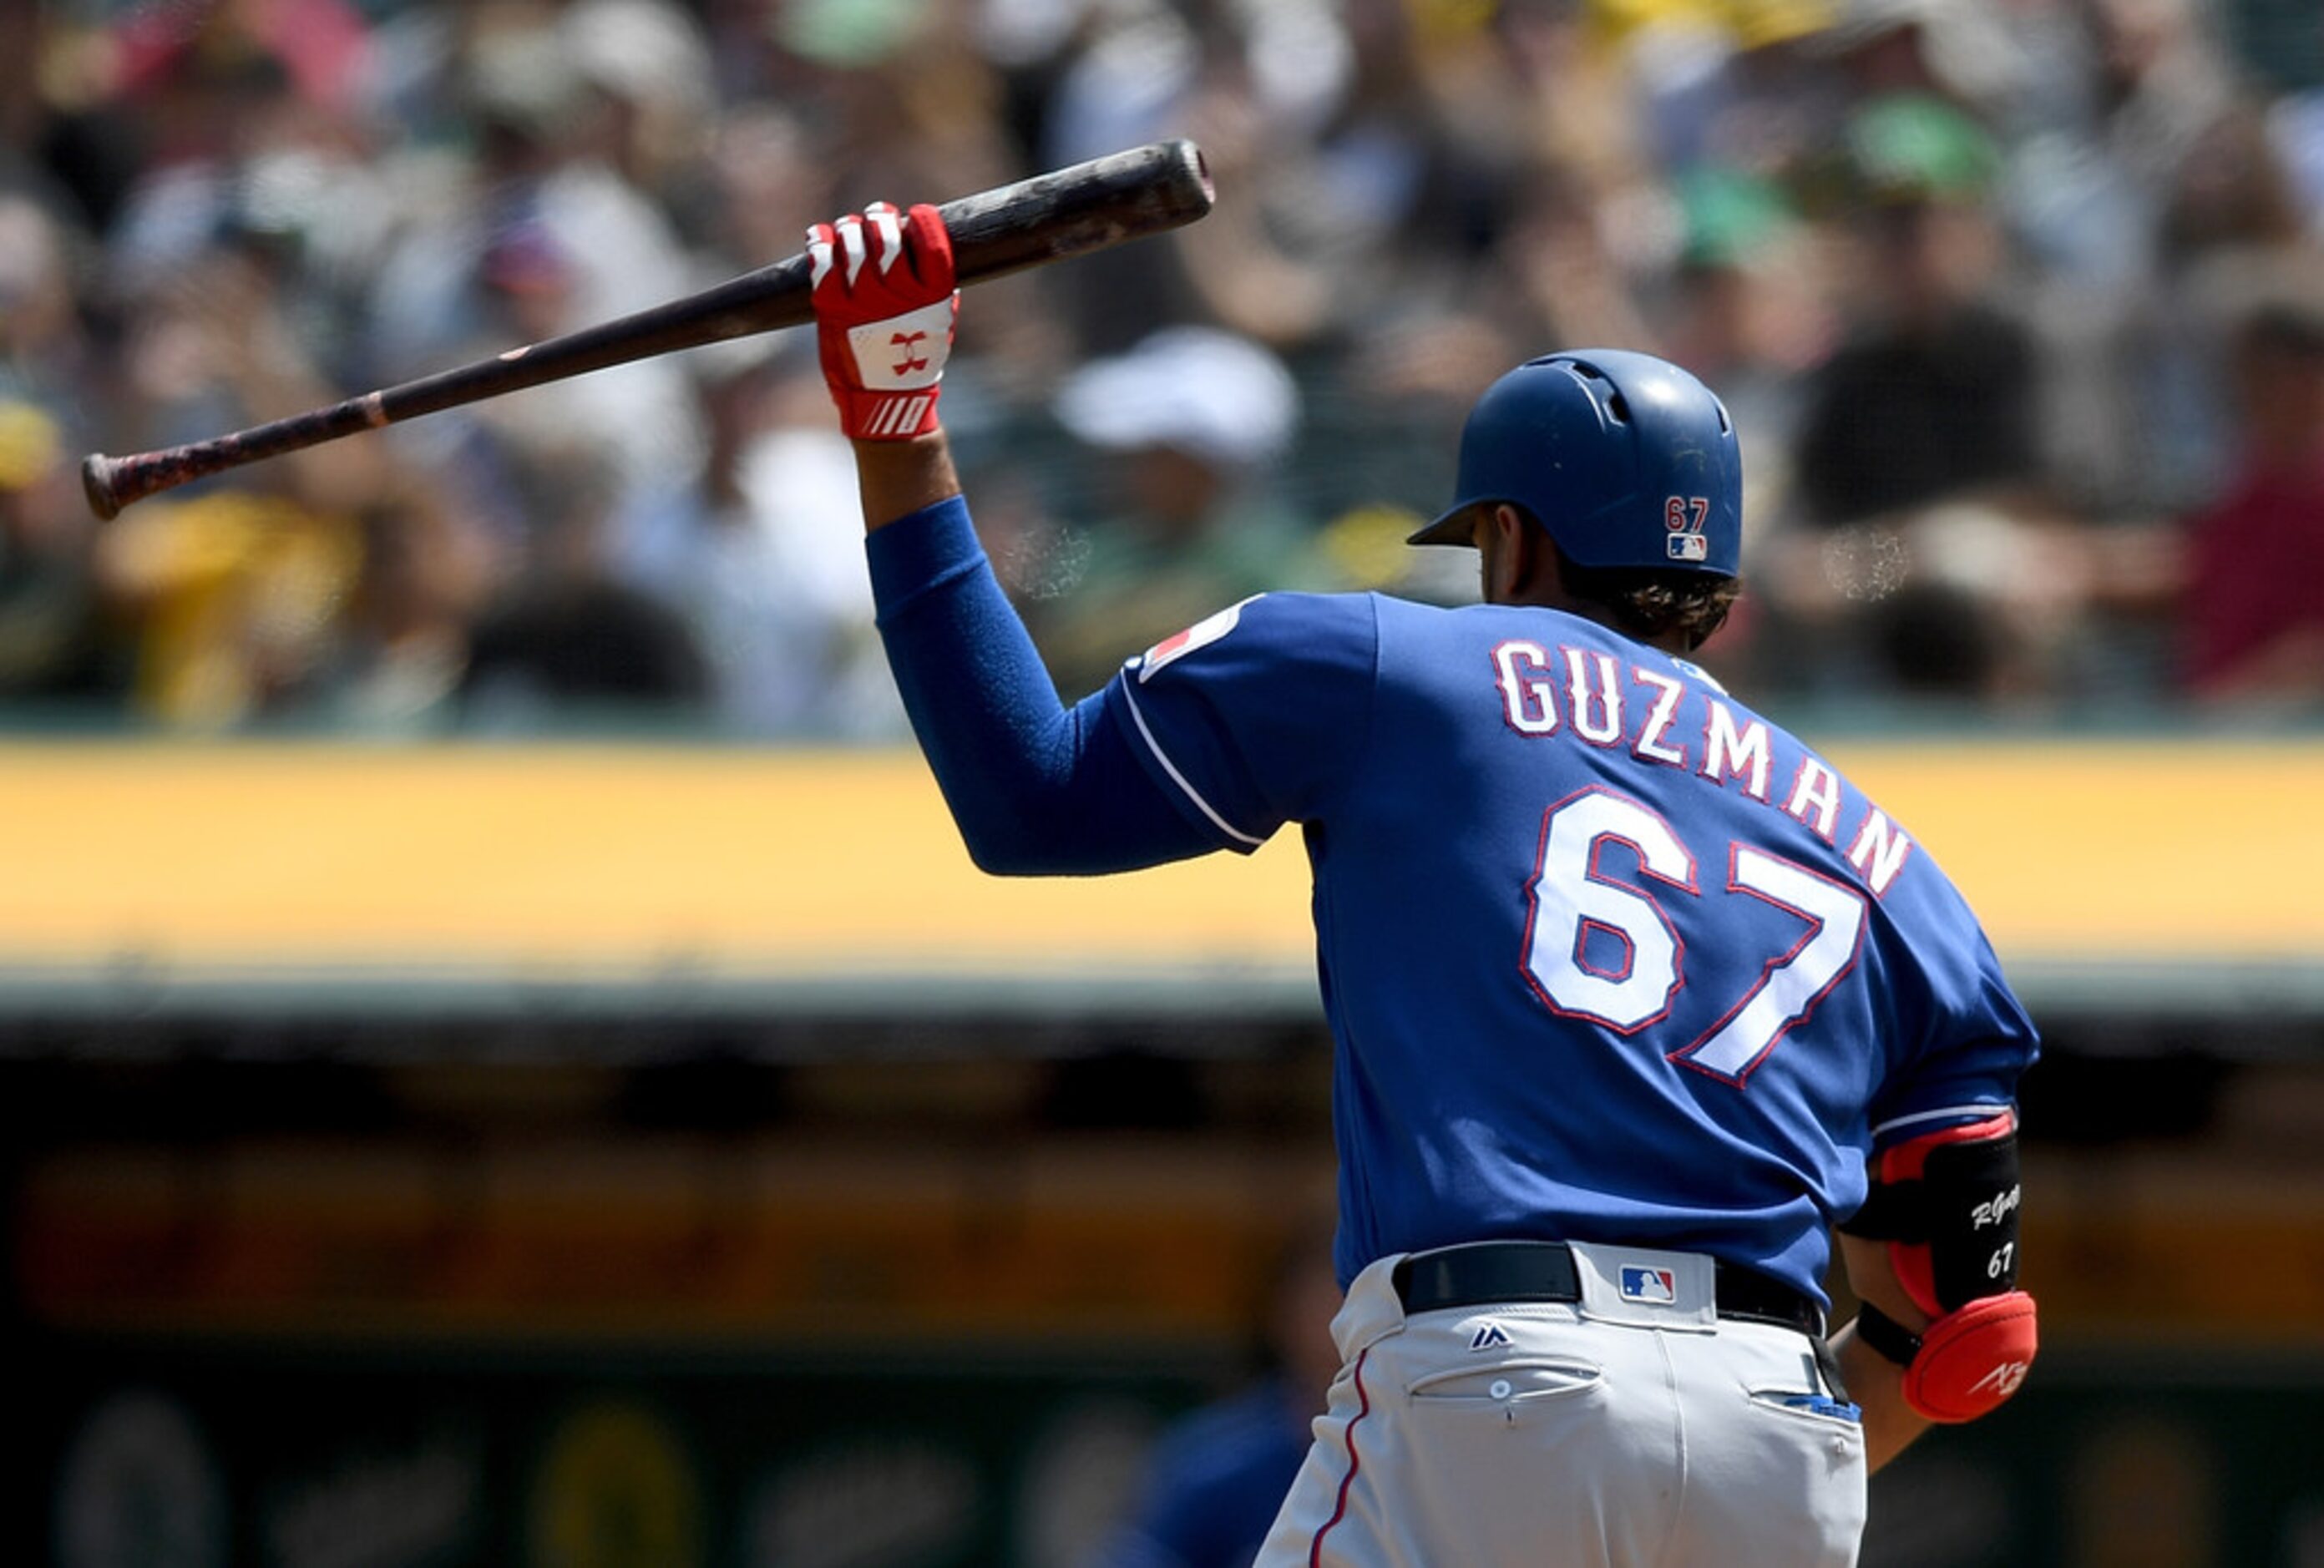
<point x="1363" y="1408"/>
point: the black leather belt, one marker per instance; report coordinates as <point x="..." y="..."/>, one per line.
<point x="1480" y="1273"/>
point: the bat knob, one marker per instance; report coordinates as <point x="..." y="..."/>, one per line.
<point x="96" y="471"/>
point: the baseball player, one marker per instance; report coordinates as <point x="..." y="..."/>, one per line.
<point x="1635" y="997"/>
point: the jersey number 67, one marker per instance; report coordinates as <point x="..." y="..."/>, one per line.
<point x="1574" y="910"/>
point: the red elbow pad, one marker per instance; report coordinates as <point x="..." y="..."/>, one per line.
<point x="1968" y="1361"/>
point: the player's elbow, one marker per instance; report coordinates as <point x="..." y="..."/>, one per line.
<point x="996" y="859"/>
<point x="1054" y="844"/>
<point x="1006" y="846"/>
<point x="1031" y="857"/>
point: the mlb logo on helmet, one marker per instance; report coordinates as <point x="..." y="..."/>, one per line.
<point x="1684" y="516"/>
<point x="1654" y="1285"/>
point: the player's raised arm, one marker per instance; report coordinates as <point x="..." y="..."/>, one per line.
<point x="1036" y="788"/>
<point x="886" y="300"/>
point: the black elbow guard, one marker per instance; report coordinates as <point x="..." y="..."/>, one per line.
<point x="1946" y="1203"/>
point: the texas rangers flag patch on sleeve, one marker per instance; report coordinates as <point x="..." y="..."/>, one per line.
<point x="1201" y="634"/>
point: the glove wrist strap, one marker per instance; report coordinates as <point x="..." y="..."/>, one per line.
<point x="885" y="415"/>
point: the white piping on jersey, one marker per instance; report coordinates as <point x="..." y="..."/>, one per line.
<point x="1220" y="822"/>
<point x="1935" y="1115"/>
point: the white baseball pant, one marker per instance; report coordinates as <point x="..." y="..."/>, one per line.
<point x="1607" y="1433"/>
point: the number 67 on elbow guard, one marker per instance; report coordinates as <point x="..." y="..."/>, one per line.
<point x="1946" y="1203"/>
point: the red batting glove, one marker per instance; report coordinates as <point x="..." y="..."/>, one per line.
<point x="884" y="307"/>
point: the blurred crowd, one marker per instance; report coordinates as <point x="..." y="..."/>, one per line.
<point x="2019" y="306"/>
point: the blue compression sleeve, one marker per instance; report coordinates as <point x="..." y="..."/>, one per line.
<point x="1036" y="789"/>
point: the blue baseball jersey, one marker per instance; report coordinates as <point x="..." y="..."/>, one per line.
<point x="1606" y="955"/>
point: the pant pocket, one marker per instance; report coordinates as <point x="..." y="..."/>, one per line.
<point x="1812" y="1406"/>
<point x="1520" y="1382"/>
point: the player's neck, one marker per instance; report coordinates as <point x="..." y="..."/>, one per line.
<point x="1521" y="566"/>
<point x="1674" y="641"/>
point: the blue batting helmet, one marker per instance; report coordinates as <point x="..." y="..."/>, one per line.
<point x="1626" y="459"/>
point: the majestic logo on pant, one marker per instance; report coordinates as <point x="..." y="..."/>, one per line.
<point x="1654" y="1287"/>
<point x="1488" y="1337"/>
<point x="906" y="342"/>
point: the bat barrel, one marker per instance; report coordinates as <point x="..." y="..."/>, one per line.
<point x="1073" y="211"/>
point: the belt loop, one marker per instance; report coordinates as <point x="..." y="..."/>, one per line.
<point x="1372" y="1311"/>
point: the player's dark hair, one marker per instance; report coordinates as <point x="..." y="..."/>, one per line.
<point x="1647" y="601"/>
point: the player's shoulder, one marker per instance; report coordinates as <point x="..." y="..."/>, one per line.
<point x="1297" y="627"/>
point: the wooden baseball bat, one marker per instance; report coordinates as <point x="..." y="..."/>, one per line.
<point x="1050" y="217"/>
